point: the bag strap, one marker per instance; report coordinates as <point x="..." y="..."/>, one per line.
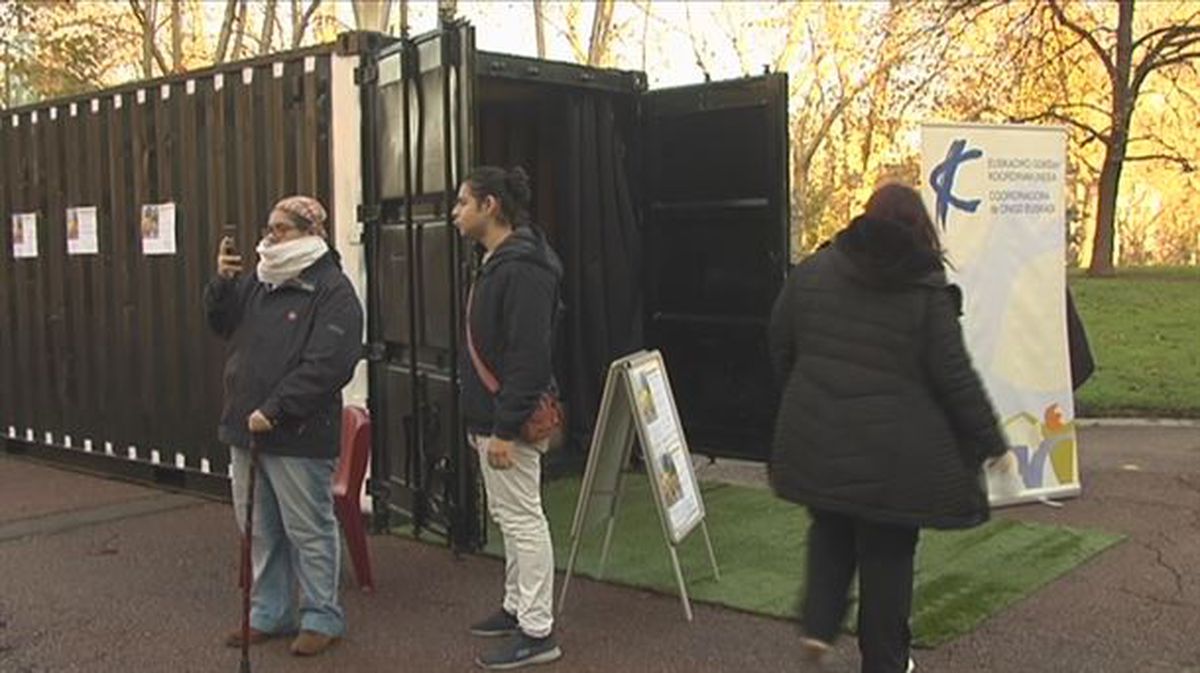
<point x="485" y="374"/>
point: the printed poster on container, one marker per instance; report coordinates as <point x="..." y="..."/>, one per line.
<point x="82" y="237"/>
<point x="25" y="235"/>
<point x="158" y="229"/>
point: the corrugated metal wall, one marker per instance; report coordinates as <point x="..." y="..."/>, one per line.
<point x="112" y="349"/>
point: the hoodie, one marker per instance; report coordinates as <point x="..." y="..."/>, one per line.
<point x="514" y="300"/>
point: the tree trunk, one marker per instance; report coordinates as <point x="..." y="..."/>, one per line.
<point x="1114" y="152"/>
<point x="539" y="27"/>
<point x="231" y="12"/>
<point x="1104" y="240"/>
<point x="19" y="12"/>
<point x="151" y="16"/>
<point x="301" y="22"/>
<point x="240" y="39"/>
<point x="800" y="228"/>
<point x="645" y="31"/>
<point x="268" y="30"/>
<point x="601" y="31"/>
<point x="296" y="30"/>
<point x="176" y="36"/>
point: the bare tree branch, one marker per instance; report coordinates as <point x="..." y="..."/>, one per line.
<point x="1157" y="32"/>
<point x="151" y="54"/>
<point x="1184" y="162"/>
<point x="1181" y="59"/>
<point x="570" y="31"/>
<point x="732" y="36"/>
<point x="695" y="46"/>
<point x="1054" y="115"/>
<point x="1171" y="49"/>
<point x="1079" y="30"/>
<point x="795" y="26"/>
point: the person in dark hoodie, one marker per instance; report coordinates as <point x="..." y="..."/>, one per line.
<point x="883" y="426"/>
<point x="295" y="335"/>
<point x="506" y="369"/>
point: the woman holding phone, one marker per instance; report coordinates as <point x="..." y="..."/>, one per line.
<point x="294" y="327"/>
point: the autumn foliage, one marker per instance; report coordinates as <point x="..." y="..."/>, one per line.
<point x="1123" y="78"/>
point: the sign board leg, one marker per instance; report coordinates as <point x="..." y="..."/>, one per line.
<point x="562" y="596"/>
<point x="683" y="594"/>
<point x="712" y="555"/>
<point x="612" y="524"/>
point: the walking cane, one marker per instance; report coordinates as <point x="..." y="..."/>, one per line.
<point x="247" y="564"/>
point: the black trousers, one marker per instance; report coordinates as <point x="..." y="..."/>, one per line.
<point x="838" y="545"/>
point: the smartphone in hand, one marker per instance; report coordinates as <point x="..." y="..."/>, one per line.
<point x="229" y="260"/>
<point x="229" y="234"/>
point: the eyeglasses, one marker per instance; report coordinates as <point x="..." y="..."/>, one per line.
<point x="279" y="229"/>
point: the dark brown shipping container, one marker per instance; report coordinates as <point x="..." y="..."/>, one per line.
<point x="669" y="209"/>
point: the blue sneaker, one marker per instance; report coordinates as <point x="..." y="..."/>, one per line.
<point x="520" y="652"/>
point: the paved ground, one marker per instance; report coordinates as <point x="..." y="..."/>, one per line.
<point x="98" y="576"/>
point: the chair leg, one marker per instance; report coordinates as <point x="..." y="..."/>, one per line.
<point x="346" y="573"/>
<point x="356" y="542"/>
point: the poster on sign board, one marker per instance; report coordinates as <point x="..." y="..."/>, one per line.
<point x="665" y="448"/>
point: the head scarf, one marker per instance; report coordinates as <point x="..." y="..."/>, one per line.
<point x="307" y="209"/>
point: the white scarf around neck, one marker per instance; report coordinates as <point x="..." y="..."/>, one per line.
<point x="280" y="262"/>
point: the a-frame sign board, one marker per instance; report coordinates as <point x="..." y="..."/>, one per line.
<point x="638" y="403"/>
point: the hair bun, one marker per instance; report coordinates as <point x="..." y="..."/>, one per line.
<point x="518" y="186"/>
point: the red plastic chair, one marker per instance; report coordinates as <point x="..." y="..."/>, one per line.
<point x="347" y="485"/>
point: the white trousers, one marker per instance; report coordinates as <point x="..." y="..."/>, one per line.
<point x="515" y="503"/>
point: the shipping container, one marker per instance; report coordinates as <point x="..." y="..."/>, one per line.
<point x="668" y="207"/>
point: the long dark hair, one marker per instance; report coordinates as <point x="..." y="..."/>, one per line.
<point x="901" y="203"/>
<point x="510" y="187"/>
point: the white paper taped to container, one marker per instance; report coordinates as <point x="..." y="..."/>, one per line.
<point x="82" y="233"/>
<point x="25" y="235"/>
<point x="158" y="229"/>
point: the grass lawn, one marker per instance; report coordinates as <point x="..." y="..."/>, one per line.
<point x="1144" y="326"/>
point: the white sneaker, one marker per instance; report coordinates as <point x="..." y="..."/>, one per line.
<point x="912" y="665"/>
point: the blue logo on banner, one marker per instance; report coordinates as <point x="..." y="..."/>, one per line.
<point x="942" y="181"/>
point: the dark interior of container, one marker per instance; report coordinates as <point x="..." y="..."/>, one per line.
<point x="576" y="143"/>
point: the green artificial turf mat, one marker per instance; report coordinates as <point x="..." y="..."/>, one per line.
<point x="962" y="577"/>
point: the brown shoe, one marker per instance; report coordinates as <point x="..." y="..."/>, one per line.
<point x="234" y="639"/>
<point x="311" y="643"/>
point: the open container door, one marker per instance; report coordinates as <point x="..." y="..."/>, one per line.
<point x="717" y="252"/>
<point x="423" y="140"/>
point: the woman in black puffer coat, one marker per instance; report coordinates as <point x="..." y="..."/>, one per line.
<point x="883" y="425"/>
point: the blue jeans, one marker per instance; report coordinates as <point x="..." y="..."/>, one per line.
<point x="295" y="538"/>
